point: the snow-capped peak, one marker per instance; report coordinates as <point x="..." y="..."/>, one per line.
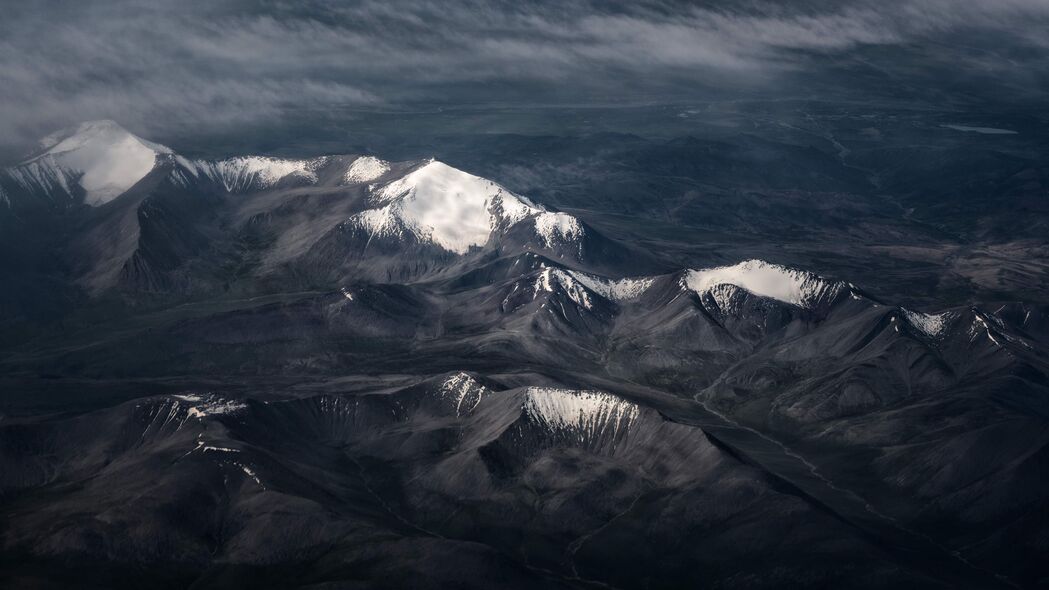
<point x="764" y="279"/>
<point x="584" y="290"/>
<point x="100" y="134"/>
<point x="551" y="278"/>
<point x="365" y="169"/>
<point x="556" y="227"/>
<point x="101" y="156"/>
<point x="455" y="210"/>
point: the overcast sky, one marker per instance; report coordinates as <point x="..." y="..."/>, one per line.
<point x="155" y="66"/>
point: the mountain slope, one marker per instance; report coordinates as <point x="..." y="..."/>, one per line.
<point x="445" y="464"/>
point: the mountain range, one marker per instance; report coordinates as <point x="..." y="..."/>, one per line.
<point x="343" y="371"/>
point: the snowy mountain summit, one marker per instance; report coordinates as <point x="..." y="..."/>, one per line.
<point x="455" y="210"/>
<point x="764" y="279"/>
<point x="102" y="157"/>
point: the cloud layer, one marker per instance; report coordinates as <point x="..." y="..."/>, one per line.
<point x="158" y="66"/>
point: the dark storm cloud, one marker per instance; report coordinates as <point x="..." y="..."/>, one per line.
<point x="155" y="66"/>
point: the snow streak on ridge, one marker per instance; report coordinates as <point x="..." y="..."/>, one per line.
<point x="550" y="278"/>
<point x="464" y="391"/>
<point x="613" y="289"/>
<point x="249" y="172"/>
<point x="209" y="405"/>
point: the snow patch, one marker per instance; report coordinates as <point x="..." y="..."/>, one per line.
<point x="554" y="228"/>
<point x="209" y="405"/>
<point x="980" y="323"/>
<point x="761" y="278"/>
<point x="365" y="169"/>
<point x="613" y="289"/>
<point x="586" y="414"/>
<point x="251" y="473"/>
<point x="464" y="391"/>
<point x="932" y="325"/>
<point x="214" y="449"/>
